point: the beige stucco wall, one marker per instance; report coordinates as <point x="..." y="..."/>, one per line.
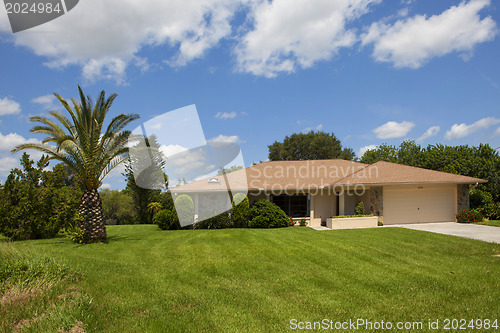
<point x="322" y="207"/>
<point x="352" y="222"/>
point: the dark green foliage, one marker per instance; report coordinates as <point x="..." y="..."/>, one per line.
<point x="167" y="220"/>
<point x="118" y="207"/>
<point x="240" y="212"/>
<point x="142" y="197"/>
<point x="469" y="216"/>
<point x="309" y="146"/>
<point x="359" y="209"/>
<point x="221" y="221"/>
<point x="265" y="214"/>
<point x="482" y="201"/>
<point x="184" y="207"/>
<point x="480" y="162"/>
<point x="35" y="203"/>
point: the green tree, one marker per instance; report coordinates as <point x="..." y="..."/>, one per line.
<point x="118" y="207"/>
<point x="91" y="153"/>
<point x="309" y="146"/>
<point x="36" y="203"/>
<point x="480" y="162"/>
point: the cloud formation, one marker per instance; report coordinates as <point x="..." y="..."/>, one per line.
<point x="411" y="42"/>
<point x="85" y="37"/>
<point x="393" y="129"/>
<point x="225" y="138"/>
<point x="276" y="37"/>
<point x="9" y="106"/>
<point x="458" y="131"/>
<point x="226" y="115"/>
<point x="287" y="35"/>
<point x="432" y="131"/>
<point x="48" y="102"/>
<point x="364" y="149"/>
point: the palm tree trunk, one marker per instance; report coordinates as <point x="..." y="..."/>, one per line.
<point x="92" y="223"/>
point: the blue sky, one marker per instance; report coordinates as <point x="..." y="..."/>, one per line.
<point x="370" y="71"/>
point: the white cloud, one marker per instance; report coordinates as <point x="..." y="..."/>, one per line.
<point x="9" y="106"/>
<point x="497" y="132"/>
<point x="315" y="128"/>
<point x="393" y="129"/>
<point x="432" y="131"/>
<point x="6" y="164"/>
<point x="169" y="150"/>
<point x="226" y="115"/>
<point x="364" y="149"/>
<point x="105" y="186"/>
<point x="461" y="130"/>
<point x="414" y="41"/>
<point x="9" y="141"/>
<point x="104" y="37"/>
<point x="48" y="102"/>
<point x="287" y="34"/>
<point x="225" y="138"/>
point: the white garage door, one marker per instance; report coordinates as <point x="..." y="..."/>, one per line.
<point x="419" y="203"/>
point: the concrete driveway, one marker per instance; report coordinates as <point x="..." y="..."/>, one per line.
<point x="473" y="231"/>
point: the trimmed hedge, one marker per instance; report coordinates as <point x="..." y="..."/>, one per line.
<point x="184" y="207"/>
<point x="240" y="210"/>
<point x="221" y="221"/>
<point x="469" y="216"/>
<point x="167" y="220"/>
<point x="265" y="214"/>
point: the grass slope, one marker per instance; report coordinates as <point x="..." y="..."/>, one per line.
<point x="146" y="280"/>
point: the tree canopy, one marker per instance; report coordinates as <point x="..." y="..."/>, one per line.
<point x="309" y="146"/>
<point x="481" y="162"/>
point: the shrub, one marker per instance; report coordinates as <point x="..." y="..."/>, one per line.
<point x="184" y="207"/>
<point x="291" y="222"/>
<point x="220" y="221"/>
<point x="483" y="202"/>
<point x="265" y="214"/>
<point x="359" y="209"/>
<point x="167" y="220"/>
<point x="302" y="222"/>
<point x="240" y="210"/>
<point x="469" y="216"/>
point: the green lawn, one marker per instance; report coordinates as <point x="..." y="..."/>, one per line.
<point x="145" y="280"/>
<point x="493" y="223"/>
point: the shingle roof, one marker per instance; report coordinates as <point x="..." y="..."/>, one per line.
<point x="309" y="174"/>
<point x="281" y="175"/>
<point x="390" y="173"/>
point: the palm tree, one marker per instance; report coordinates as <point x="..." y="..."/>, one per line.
<point x="154" y="207"/>
<point x="79" y="143"/>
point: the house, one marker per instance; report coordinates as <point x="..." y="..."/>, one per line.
<point x="319" y="189"/>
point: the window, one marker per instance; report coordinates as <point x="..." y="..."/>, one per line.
<point x="293" y="205"/>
